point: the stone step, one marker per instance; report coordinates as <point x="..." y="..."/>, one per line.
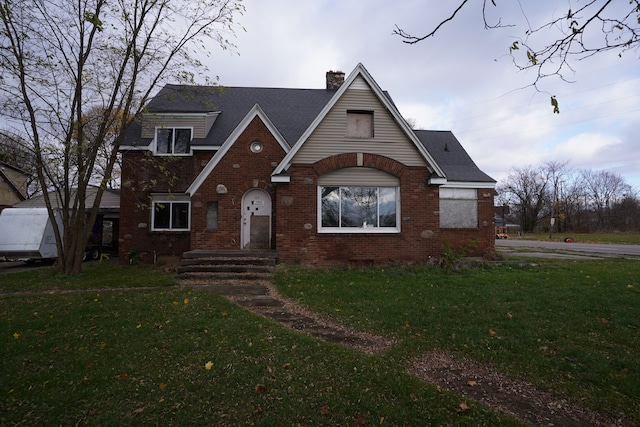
<point x="228" y="261"/>
<point x="230" y="275"/>
<point x="226" y="268"/>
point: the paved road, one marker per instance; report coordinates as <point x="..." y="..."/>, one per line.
<point x="609" y="250"/>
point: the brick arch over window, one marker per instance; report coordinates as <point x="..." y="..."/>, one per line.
<point x="349" y="160"/>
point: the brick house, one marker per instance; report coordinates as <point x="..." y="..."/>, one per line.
<point x="321" y="176"/>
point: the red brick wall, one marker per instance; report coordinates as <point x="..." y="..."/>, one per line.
<point x="475" y="241"/>
<point x="239" y="170"/>
<point x="142" y="174"/>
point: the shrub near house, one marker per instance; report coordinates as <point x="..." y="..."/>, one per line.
<point x="321" y="176"/>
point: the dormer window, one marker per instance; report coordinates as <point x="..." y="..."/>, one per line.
<point x="173" y="141"/>
<point x="360" y="124"/>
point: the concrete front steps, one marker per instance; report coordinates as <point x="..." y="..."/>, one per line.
<point x="231" y="273"/>
<point x="207" y="266"/>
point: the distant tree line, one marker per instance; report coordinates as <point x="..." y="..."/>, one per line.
<point x="578" y="200"/>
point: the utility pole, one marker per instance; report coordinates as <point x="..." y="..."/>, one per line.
<point x="553" y="205"/>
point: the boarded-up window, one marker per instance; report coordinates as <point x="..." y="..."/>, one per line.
<point x="458" y="208"/>
<point x="360" y="124"/>
<point x="212" y="215"/>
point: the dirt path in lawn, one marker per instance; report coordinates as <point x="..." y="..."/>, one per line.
<point x="470" y="379"/>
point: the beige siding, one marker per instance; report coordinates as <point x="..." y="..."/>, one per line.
<point x="198" y="124"/>
<point x="360" y="177"/>
<point x="329" y="138"/>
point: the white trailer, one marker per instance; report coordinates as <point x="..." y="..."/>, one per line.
<point x="27" y="234"/>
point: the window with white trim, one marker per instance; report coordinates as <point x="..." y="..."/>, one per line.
<point x="176" y="141"/>
<point x="169" y="214"/>
<point x="458" y="208"/>
<point x="359" y="209"/>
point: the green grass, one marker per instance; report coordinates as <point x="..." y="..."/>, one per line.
<point x="95" y="275"/>
<point x="572" y="328"/>
<point x="139" y="358"/>
<point x="618" y="238"/>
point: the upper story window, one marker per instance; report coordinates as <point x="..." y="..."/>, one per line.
<point x="360" y="124"/>
<point x="173" y="141"/>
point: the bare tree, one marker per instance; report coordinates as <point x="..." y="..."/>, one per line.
<point x="61" y="60"/>
<point x="581" y="30"/>
<point x="605" y="190"/>
<point x="526" y="191"/>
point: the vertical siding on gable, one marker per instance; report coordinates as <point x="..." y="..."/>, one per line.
<point x="198" y="124"/>
<point x="329" y="138"/>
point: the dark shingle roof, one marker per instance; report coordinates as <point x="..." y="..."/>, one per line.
<point x="449" y="154"/>
<point x="290" y="110"/>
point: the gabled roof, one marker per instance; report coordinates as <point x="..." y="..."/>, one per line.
<point x="256" y="111"/>
<point x="292" y="115"/>
<point x="9" y="182"/>
<point x="447" y="151"/>
<point x="361" y="72"/>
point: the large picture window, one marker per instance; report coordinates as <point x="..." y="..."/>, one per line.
<point x="170" y="215"/>
<point x="173" y="140"/>
<point x="356" y="209"/>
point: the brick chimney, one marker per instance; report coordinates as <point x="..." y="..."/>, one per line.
<point x="334" y="80"/>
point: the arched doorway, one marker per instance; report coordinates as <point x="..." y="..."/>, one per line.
<point x="256" y="219"/>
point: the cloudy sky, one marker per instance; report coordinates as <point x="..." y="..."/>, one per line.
<point x="462" y="80"/>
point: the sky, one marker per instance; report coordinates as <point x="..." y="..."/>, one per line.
<point x="463" y="80"/>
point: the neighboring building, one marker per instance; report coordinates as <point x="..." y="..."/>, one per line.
<point x="322" y="176"/>
<point x="105" y="230"/>
<point x="13" y="185"/>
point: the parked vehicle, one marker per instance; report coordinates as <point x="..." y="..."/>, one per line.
<point x="501" y="228"/>
<point x="27" y="234"/>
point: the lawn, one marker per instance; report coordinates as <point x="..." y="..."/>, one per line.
<point x="171" y="356"/>
<point x="619" y="238"/>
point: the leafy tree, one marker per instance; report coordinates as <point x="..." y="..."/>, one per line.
<point x="580" y="30"/>
<point x="76" y="74"/>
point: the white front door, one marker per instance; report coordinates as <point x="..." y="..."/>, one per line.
<point x="256" y="219"/>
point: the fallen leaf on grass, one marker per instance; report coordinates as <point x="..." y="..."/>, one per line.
<point x="163" y="386"/>
<point x="492" y="332"/>
<point x="208" y="365"/>
<point x="472" y="383"/>
<point x="325" y="410"/>
<point x="122" y="376"/>
<point x="463" y="407"/>
<point x="260" y="388"/>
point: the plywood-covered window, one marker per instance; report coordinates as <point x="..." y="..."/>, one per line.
<point x="458" y="208"/>
<point x="360" y="124"/>
<point x="212" y="215"/>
